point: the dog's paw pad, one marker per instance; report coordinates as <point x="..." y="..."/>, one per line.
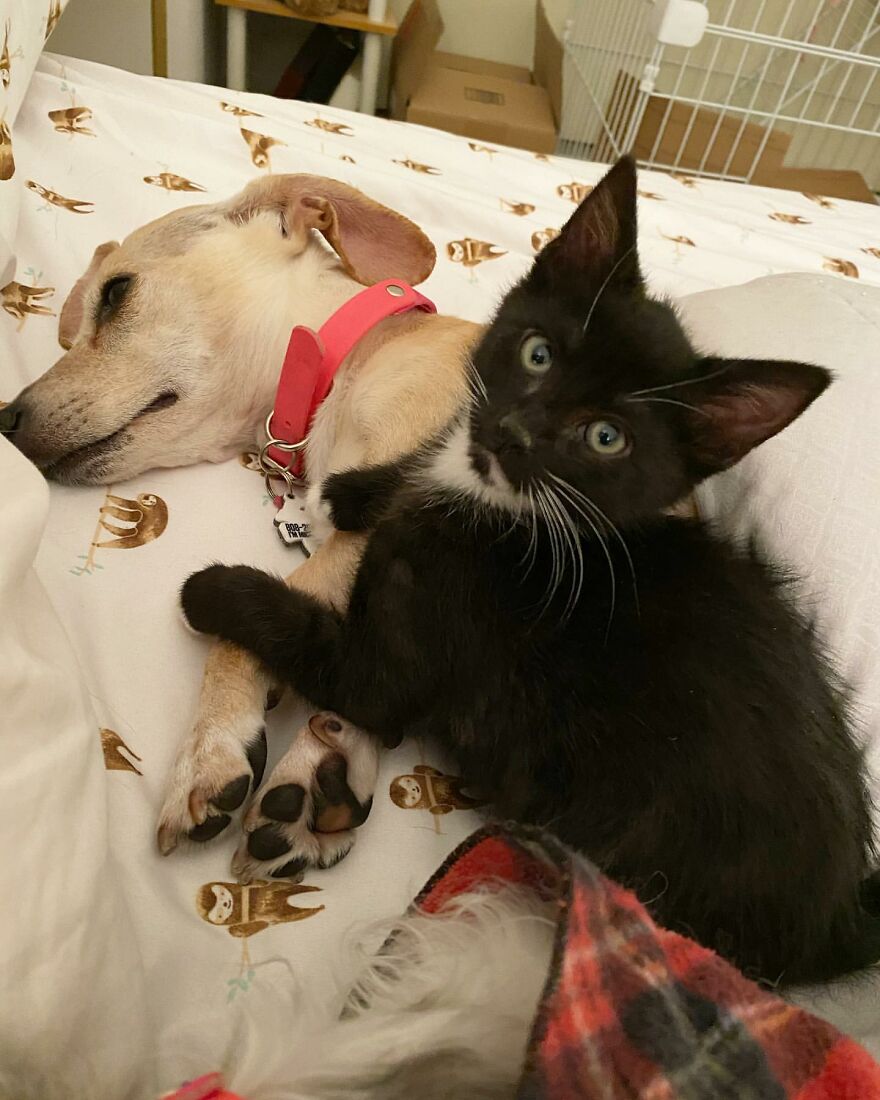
<point x="212" y="826"/>
<point x="267" y="843"/>
<point x="336" y="806"/>
<point x="315" y="799"/>
<point x="294" y="869"/>
<point x="233" y="794"/>
<point x="256" y="753"/>
<point x="209" y="787"/>
<point x="284" y="803"/>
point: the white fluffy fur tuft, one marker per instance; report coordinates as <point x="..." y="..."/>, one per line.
<point x="444" y="1010"/>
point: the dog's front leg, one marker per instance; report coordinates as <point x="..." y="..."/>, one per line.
<point x="295" y="636"/>
<point x="223" y="757"/>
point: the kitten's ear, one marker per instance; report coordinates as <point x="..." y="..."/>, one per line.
<point x="601" y="233"/>
<point x="744" y="402"/>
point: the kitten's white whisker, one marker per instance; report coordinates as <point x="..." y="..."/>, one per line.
<point x="555" y="548"/>
<point x="573" y="542"/>
<point x="475" y="381"/>
<point x="543" y="516"/>
<point x="601" y="289"/>
<point x="586" y="502"/>
<point x="684" y="382"/>
<point x="585" y="516"/>
<point x="558" y="549"/>
<point x="665" y="401"/>
<point x="532" y="548"/>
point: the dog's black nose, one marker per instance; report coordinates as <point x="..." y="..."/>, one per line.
<point x="10" y="418"/>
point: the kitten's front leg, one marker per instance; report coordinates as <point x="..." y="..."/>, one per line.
<point x="357" y="498"/>
<point x="297" y="638"/>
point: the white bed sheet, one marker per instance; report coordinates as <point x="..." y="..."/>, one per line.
<point x="486" y="209"/>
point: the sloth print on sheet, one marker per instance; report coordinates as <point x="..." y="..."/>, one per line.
<point x="7" y="160"/>
<point x="22" y="301"/>
<point x="117" y="753"/>
<point x="575" y="192"/>
<point x="53" y="198"/>
<point x="170" y="181"/>
<point x="130" y="523"/>
<point x="470" y="252"/>
<point x="239" y="112"/>
<point x="542" y="237"/>
<point x="259" y="145"/>
<point x="245" y="910"/>
<point x="426" y="788"/>
<point x="72" y="120"/>
<point x="329" y="127"/>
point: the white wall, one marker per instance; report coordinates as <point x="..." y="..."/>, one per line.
<point x="499" y="30"/>
<point x="119" y="32"/>
<point x="195" y="30"/>
<point x="114" y="32"/>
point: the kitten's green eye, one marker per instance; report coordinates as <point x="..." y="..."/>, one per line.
<point x="535" y="354"/>
<point x="605" y="438"/>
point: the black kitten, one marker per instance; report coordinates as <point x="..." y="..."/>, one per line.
<point x="630" y="680"/>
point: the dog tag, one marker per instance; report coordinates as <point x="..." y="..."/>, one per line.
<point x="293" y="526"/>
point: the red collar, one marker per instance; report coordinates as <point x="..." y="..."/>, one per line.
<point x="209" y="1087"/>
<point x="312" y="360"/>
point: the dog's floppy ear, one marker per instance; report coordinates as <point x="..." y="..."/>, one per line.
<point x="72" y="311"/>
<point x="373" y="242"/>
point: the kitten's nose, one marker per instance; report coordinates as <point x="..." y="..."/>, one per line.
<point x="513" y="431"/>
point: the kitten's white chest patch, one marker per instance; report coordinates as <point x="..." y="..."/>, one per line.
<point x="452" y="469"/>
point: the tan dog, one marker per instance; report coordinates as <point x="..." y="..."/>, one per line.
<point x="173" y="293"/>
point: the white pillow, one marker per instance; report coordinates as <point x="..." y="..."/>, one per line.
<point x="72" y="977"/>
<point x="812" y="494"/>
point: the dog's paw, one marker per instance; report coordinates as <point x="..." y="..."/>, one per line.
<point x="320" y="792"/>
<point x="216" y="769"/>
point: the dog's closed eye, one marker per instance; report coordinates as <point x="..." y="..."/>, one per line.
<point x="113" y="294"/>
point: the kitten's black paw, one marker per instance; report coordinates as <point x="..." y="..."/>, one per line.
<point x="212" y="598"/>
<point x="356" y="499"/>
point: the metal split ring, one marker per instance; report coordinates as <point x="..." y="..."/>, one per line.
<point x="273" y="470"/>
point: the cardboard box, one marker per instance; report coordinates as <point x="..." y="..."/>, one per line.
<point x="484" y="100"/>
<point x="481" y="67"/>
<point x="835" y="183"/>
<point x="711" y="142"/>
<point x="717" y="143"/>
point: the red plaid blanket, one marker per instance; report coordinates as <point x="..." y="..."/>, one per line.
<point x="631" y="1010"/>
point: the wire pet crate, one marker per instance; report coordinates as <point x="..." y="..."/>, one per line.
<point x="725" y="88"/>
